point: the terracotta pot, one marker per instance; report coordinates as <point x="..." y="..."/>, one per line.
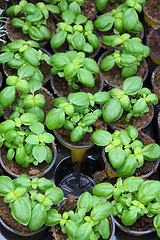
<point x="7" y="68"/>
<point x="111" y="172"/>
<point x="62" y="89"/>
<point x="156" y="75"/>
<point x="32" y="171"/>
<point x="153" y="39"/>
<point x="115" y="71"/>
<point x="151" y="16"/>
<point x="16" y="33"/>
<point x="132" y="232"/>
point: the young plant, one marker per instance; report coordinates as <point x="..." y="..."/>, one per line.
<point x="88" y="221"/>
<point x="23" y="56"/>
<point x="132" y="98"/>
<point x="33" y="18"/>
<point x="123" y="18"/>
<point x="76" y="114"/>
<point x="124" y="152"/>
<point x="128" y="58"/>
<point x="71" y="30"/>
<point x="133" y="198"/>
<point x="75" y="68"/>
<point x="28" y="206"/>
<point x="28" y="145"/>
<point x="101" y="4"/>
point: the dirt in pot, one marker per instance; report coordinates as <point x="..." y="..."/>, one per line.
<point x="70" y="204"/>
<point x="144" y="223"/>
<point x="138" y="122"/>
<point x="46" y="108"/>
<point x="15" y="168"/>
<point x="87" y="137"/>
<point x="157" y="79"/>
<point x="154" y="42"/>
<point x="113" y="76"/>
<point x="152" y="7"/>
<point x="100" y="176"/>
<point x="61" y="86"/>
<point x="88" y="9"/>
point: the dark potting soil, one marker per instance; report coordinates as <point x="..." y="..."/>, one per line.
<point x="114" y="77"/>
<point x="113" y="5"/>
<point x="144" y="223"/>
<point x="87" y="137"/>
<point x="62" y="87"/>
<point x="152" y="7"/>
<point x="88" y="9"/>
<point x="138" y="122"/>
<point x="157" y="80"/>
<point x="16" y="33"/>
<point x="5" y="214"/>
<point x="46" y="108"/>
<point x="154" y="42"/>
<point x="15" y="168"/>
<point x="100" y="176"/>
<point x="70" y="204"/>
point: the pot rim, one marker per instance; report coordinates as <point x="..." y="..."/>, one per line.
<point x="14" y="175"/>
<point x="153" y="77"/>
<point x="107" y="163"/>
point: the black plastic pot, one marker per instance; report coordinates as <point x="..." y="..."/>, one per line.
<point x="110" y="84"/>
<point x="45" y="172"/>
<point x="1" y="79"/>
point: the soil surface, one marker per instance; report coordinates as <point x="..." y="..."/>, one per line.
<point x="113" y="5"/>
<point x="46" y="108"/>
<point x="113" y="78"/>
<point x="152" y="8"/>
<point x="157" y="80"/>
<point x="15" y="168"/>
<point x="16" y="33"/>
<point x="138" y="122"/>
<point x="63" y="89"/>
<point x="69" y="204"/>
<point x="88" y="9"/>
<point x="144" y="223"/>
<point x="154" y="42"/>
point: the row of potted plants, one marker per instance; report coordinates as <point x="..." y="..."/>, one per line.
<point x="85" y="110"/>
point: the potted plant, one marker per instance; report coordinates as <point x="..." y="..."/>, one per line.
<point x="129" y="103"/>
<point x="153" y="43"/>
<point x="134" y="201"/>
<point x="86" y="218"/>
<point x="76" y="117"/>
<point x="124" y="151"/>
<point x="23" y="56"/>
<point x="74" y="72"/>
<point x="125" y="61"/>
<point x="32" y="20"/>
<point x="29" y="202"/>
<point x="26" y="150"/>
<point x="73" y="35"/>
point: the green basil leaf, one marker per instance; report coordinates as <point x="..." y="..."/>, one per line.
<point x="101" y="97"/>
<point x="32" y="139"/>
<point x="127" y="59"/>
<point x="85" y="201"/>
<point x="139" y="106"/>
<point x="86" y="77"/>
<point x="132" y="184"/>
<point x="60" y="60"/>
<point x="28" y="118"/>
<point x="93" y="40"/>
<point x="76" y="134"/>
<point x="101" y="211"/>
<point x="116" y="157"/>
<point x="104" y="22"/>
<point x="6" y="57"/>
<point x="39" y="153"/>
<point x="78" y="41"/>
<point x="129" y="217"/>
<point x="37" y="128"/>
<point x="112" y="110"/>
<point x="148" y="191"/>
<point x="55" y="194"/>
<point x="79" y="99"/>
<point x="22" y="181"/>
<point x="17" y="22"/>
<point x="132" y="85"/>
<point x="128" y="167"/>
<point x="36" y="16"/>
<point x="53" y="218"/>
<point x="151" y="152"/>
<point x="156" y="223"/>
<point x="70" y="70"/>
<point x="129" y="19"/>
<point x="38" y="217"/>
<point x="68" y="17"/>
<point x="7" y="126"/>
<point x="55" y="119"/>
<point x="129" y="71"/>
<point x="91" y="65"/>
<point x="101" y="4"/>
<point x="103" y="190"/>
<point x="107" y="63"/>
<point x="103" y="227"/>
<point x="132" y="131"/>
<point x="71" y="228"/>
<point x="26" y="71"/>
<point x="7" y="96"/>
<point x="16" y="63"/>
<point x="35" y="34"/>
<point x="21" y="210"/>
<point x="20" y="155"/>
<point x="52" y="8"/>
<point x="102" y="137"/>
<point x="38" y="112"/>
<point x="31" y="57"/>
<point x="6" y="185"/>
<point x="58" y="39"/>
<point x="44" y="184"/>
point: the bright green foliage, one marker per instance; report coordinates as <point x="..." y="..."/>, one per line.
<point x="132" y="198"/>
<point x="128" y="58"/>
<point x="76" y="114"/>
<point x="34" y="18"/>
<point x="29" y="207"/>
<point x="26" y="146"/>
<point x="88" y="221"/>
<point x="75" y="68"/>
<point x="79" y="37"/>
<point x="132" y="98"/>
<point x="123" y="18"/>
<point x="124" y="152"/>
